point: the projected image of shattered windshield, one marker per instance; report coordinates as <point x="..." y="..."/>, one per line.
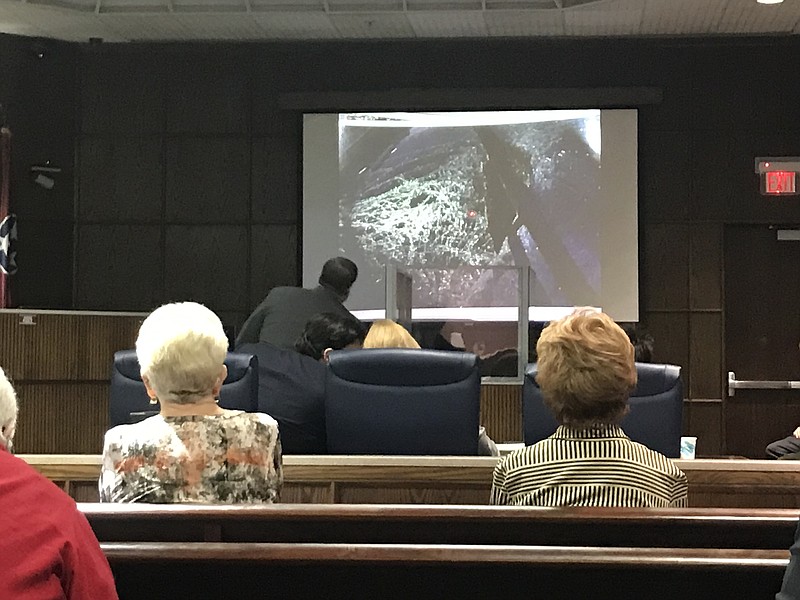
<point x="443" y="192"/>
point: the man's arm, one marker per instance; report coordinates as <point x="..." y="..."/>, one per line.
<point x="87" y="575"/>
<point x="499" y="495"/>
<point x="251" y="330"/>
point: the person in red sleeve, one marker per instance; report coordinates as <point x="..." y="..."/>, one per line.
<point x="48" y="550"/>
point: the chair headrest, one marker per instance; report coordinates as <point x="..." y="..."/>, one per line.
<point x="238" y="363"/>
<point x="390" y="366"/>
<point x="127" y="364"/>
<point x="651" y="378"/>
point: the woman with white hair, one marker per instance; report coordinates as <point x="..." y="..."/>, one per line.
<point x="47" y="549"/>
<point x="193" y="451"/>
<point x="8" y="411"/>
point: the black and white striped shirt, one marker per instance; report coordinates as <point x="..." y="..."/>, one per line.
<point x="598" y="466"/>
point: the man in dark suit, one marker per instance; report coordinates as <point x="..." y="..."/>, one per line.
<point x="283" y="314"/>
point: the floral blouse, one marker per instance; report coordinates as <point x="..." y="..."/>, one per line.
<point x="230" y="458"/>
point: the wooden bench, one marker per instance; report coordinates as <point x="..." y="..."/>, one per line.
<point x="286" y="570"/>
<point x="456" y="480"/>
<point x="455" y="525"/>
<point x="382" y="551"/>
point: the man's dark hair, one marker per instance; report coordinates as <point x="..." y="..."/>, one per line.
<point x="339" y="274"/>
<point x="642" y="342"/>
<point x="329" y="330"/>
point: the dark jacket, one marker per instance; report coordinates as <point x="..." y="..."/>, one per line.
<point x="791" y="579"/>
<point x="282" y="316"/>
<point x="291" y="389"/>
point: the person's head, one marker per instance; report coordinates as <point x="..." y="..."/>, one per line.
<point x="8" y="411"/>
<point x="586" y="370"/>
<point x="642" y="343"/>
<point x="328" y="331"/>
<point x="338" y="275"/>
<point x="181" y="350"/>
<point x="385" y="333"/>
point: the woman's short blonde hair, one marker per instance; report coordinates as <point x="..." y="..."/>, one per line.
<point x="385" y="333"/>
<point x="181" y="350"/>
<point x="8" y="410"/>
<point x="586" y="369"/>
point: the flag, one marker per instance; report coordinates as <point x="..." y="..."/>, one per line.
<point x="8" y="221"/>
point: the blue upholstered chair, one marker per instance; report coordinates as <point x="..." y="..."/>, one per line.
<point x="128" y="401"/>
<point x="656" y="409"/>
<point x="402" y="401"/>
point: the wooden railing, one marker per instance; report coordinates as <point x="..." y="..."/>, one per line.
<point x="455" y="480"/>
<point x="60" y="362"/>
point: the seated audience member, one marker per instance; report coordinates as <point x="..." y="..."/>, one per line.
<point x="388" y="334"/>
<point x="193" y="451"/>
<point x="281" y="317"/>
<point x="586" y="373"/>
<point x="291" y="389"/>
<point x="47" y="549"/>
<point x="291" y="385"/>
<point x="642" y="343"/>
<point x="788" y="447"/>
<point x="790" y="590"/>
<point x="329" y="331"/>
<point x="385" y="333"/>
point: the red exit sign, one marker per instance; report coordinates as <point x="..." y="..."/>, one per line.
<point x="779" y="183"/>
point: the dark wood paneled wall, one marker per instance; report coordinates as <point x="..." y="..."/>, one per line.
<point x="182" y="192"/>
<point x="37" y="88"/>
<point x="189" y="157"/>
<point x="501" y="412"/>
<point x="60" y="365"/>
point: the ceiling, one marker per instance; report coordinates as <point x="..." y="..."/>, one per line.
<point x="183" y="20"/>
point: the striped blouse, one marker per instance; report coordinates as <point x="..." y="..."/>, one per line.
<point x="599" y="466"/>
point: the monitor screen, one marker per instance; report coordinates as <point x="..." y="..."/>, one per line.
<point x="437" y="193"/>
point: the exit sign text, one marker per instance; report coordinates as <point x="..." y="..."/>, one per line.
<point x="779" y="183"/>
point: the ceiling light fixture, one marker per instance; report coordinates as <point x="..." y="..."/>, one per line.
<point x="769" y="1"/>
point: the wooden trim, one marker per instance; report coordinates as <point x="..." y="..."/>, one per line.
<point x="677" y="558"/>
<point x="682" y="310"/>
<point x="409" y="468"/>
<point x="458" y="480"/>
<point x="360" y="512"/>
<point x="75" y="313"/>
<point x="703" y="401"/>
<point x="407" y="99"/>
<point x="61" y="467"/>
